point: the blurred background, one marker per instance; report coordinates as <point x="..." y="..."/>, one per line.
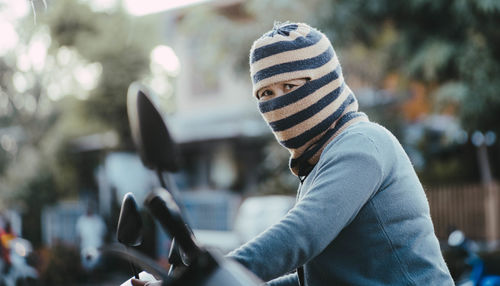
<point x="428" y="70"/>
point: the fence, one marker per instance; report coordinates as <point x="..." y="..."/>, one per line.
<point x="213" y="210"/>
<point x="471" y="208"/>
<point x="58" y="222"/>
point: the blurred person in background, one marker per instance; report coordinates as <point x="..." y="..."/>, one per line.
<point x="6" y="235"/>
<point x="91" y="231"/>
<point x="361" y="216"/>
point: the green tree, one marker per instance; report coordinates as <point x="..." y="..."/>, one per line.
<point x="66" y="77"/>
<point x="448" y="44"/>
<point x="119" y="43"/>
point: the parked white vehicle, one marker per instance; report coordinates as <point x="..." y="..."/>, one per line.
<point x="253" y="217"/>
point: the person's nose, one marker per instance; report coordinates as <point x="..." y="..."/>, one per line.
<point x="279" y="92"/>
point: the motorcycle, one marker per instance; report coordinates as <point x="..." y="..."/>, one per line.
<point x="18" y="272"/>
<point x="477" y="275"/>
<point x="190" y="263"/>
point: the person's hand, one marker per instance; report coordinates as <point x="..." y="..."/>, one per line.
<point x="136" y="282"/>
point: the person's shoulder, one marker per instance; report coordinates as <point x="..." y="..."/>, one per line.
<point x="370" y="129"/>
<point x="357" y="143"/>
<point x="373" y="132"/>
<point x="368" y="138"/>
<point x="359" y="136"/>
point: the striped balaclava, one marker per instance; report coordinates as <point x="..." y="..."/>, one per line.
<point x="306" y="119"/>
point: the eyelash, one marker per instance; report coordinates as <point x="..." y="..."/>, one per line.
<point x="287" y="86"/>
<point x="263" y="94"/>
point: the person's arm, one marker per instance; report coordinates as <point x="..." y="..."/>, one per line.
<point x="287" y="280"/>
<point x="349" y="172"/>
<point x="136" y="282"/>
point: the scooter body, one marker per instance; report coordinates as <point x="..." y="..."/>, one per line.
<point x="19" y="272"/>
<point x="477" y="275"/>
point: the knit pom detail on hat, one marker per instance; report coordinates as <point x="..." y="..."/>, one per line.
<point x="306" y="119"/>
<point x="283" y="29"/>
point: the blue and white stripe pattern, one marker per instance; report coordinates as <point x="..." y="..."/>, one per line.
<point x="306" y="119"/>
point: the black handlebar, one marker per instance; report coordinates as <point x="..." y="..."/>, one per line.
<point x="139" y="259"/>
<point x="163" y="207"/>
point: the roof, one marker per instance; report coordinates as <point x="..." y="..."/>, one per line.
<point x="213" y="124"/>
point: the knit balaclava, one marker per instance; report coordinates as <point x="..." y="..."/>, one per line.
<point x="306" y="119"/>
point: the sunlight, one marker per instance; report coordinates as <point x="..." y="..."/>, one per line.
<point x="54" y="92"/>
<point x="88" y="75"/>
<point x="20" y="82"/>
<point x="165" y="58"/>
<point x="65" y="55"/>
<point x="101" y="5"/>
<point x="23" y="62"/>
<point x="9" y="37"/>
<point x="13" y="10"/>
<point x="145" y="7"/>
<point x="160" y="85"/>
<point x="37" y="51"/>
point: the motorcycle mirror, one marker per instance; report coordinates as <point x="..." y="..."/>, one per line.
<point x="149" y="131"/>
<point x="456" y="238"/>
<point x="129" y="230"/>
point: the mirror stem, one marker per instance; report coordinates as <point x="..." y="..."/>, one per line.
<point x="169" y="185"/>
<point x="160" y="177"/>
<point x="134" y="270"/>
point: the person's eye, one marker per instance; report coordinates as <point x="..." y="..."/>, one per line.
<point x="289" y="86"/>
<point x="265" y="93"/>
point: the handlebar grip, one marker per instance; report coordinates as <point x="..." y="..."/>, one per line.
<point x="163" y="207"/>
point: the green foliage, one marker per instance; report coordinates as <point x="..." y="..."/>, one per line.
<point x="120" y="48"/>
<point x="71" y="23"/>
<point x="439" y="42"/>
<point x="54" y="108"/>
<point x="107" y="103"/>
<point x="480" y="68"/>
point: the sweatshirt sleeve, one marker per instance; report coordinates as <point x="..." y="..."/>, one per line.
<point x="348" y="173"/>
<point x="287" y="280"/>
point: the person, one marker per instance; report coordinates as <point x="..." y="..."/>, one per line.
<point x="361" y="216"/>
<point x="91" y="231"/>
<point x="6" y="236"/>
